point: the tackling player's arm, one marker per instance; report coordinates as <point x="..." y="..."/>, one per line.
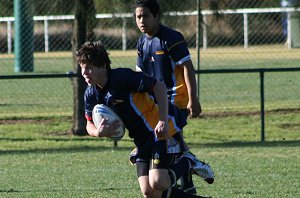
<point x="193" y="105"/>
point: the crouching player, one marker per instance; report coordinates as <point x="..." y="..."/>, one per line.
<point x="150" y="122"/>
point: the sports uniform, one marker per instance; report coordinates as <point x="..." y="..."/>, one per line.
<point x="127" y="93"/>
<point x="131" y="95"/>
<point x="159" y="57"/>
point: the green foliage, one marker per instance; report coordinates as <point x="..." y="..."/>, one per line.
<point x="112" y="6"/>
<point x="57" y="7"/>
<point x="64" y="7"/>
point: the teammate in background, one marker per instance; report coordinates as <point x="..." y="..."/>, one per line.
<point x="163" y="54"/>
<point x="149" y="120"/>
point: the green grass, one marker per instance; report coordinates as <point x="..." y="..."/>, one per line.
<point x="38" y="159"/>
<point x="36" y="97"/>
<point x="218" y="92"/>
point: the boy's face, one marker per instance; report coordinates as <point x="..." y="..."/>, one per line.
<point x="93" y="75"/>
<point x="146" y="22"/>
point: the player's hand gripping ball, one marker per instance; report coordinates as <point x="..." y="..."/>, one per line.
<point x="100" y="112"/>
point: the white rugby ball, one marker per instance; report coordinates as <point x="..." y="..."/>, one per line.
<point x="101" y="111"/>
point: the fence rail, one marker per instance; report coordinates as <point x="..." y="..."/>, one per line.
<point x="32" y="76"/>
<point x="205" y="13"/>
<point x="261" y="72"/>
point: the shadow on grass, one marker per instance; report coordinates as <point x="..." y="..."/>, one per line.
<point x="107" y="147"/>
<point x="248" y="144"/>
<point x="78" y="146"/>
<point x="77" y="139"/>
<point x="73" y="149"/>
<point x="12" y="190"/>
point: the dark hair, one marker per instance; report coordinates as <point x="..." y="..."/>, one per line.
<point x="152" y="5"/>
<point x="93" y="53"/>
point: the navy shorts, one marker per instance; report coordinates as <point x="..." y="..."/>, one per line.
<point x="155" y="157"/>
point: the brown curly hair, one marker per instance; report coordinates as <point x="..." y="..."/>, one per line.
<point x="93" y="53"/>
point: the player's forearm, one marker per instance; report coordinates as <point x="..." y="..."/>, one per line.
<point x="92" y="129"/>
<point x="190" y="81"/>
<point x="160" y="92"/>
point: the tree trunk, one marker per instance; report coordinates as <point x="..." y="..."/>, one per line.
<point x="83" y="29"/>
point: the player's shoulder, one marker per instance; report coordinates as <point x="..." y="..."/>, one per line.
<point x="120" y="74"/>
<point x="142" y="39"/>
<point x="125" y="73"/>
<point x="121" y="71"/>
<point x="170" y="34"/>
<point x="90" y="93"/>
<point x="170" y="37"/>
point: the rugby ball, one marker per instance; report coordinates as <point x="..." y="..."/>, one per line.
<point x="101" y="111"/>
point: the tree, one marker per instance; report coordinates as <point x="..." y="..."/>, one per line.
<point x="82" y="31"/>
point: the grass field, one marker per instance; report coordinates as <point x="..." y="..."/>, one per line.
<point x="41" y="160"/>
<point x="38" y="158"/>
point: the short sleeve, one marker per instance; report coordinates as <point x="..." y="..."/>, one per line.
<point x="135" y="81"/>
<point x="89" y="104"/>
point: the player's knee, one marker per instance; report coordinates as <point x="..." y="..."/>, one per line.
<point x="147" y="192"/>
<point x="159" y="183"/>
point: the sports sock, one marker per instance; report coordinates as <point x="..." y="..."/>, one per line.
<point x="176" y="193"/>
<point x="172" y="178"/>
<point x="181" y="167"/>
<point x="186" y="180"/>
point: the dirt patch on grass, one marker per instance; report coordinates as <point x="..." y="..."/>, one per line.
<point x="24" y="121"/>
<point x="289" y="125"/>
<point x="60" y="133"/>
<point x="252" y="113"/>
<point x="203" y="115"/>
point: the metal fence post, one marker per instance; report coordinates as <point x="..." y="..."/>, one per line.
<point x="9" y="38"/>
<point x="124" y="33"/>
<point x="204" y="32"/>
<point x="198" y="46"/>
<point x="289" y="31"/>
<point x="115" y="144"/>
<point x="23" y="36"/>
<point x="262" y="105"/>
<point x="46" y="35"/>
<point x="245" y="30"/>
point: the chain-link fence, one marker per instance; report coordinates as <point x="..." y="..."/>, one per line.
<point x="233" y="35"/>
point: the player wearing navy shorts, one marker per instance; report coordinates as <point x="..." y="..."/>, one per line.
<point x="142" y="104"/>
<point x="163" y="54"/>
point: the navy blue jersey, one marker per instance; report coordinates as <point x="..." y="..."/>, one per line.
<point x="127" y="94"/>
<point x="159" y="57"/>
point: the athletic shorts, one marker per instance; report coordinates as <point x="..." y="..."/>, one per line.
<point x="185" y="113"/>
<point x="153" y="158"/>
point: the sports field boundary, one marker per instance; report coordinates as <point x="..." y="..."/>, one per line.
<point x="260" y="71"/>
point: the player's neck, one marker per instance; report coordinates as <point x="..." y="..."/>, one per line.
<point x="154" y="32"/>
<point x="102" y="84"/>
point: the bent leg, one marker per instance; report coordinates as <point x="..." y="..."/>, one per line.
<point x="159" y="179"/>
<point x="143" y="179"/>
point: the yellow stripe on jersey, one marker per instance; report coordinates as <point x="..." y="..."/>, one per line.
<point x="175" y="45"/>
<point x="159" y="52"/>
<point x="180" y="95"/>
<point x="146" y="108"/>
